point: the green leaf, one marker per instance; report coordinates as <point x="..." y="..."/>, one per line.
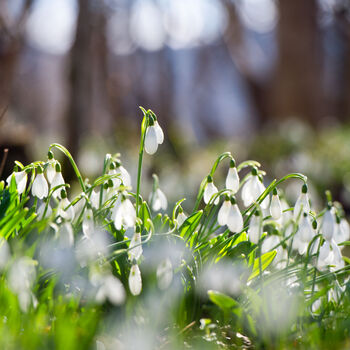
<point x="190" y="224"/>
<point x="223" y="301"/>
<point x="145" y="214"/>
<point x="266" y="260"/>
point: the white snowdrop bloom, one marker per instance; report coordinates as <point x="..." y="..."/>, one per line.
<point x="124" y="214"/>
<point x="111" y="289"/>
<point x="345" y="229"/>
<point x="209" y="190"/>
<point x="269" y="243"/>
<point x="158" y="200"/>
<point x="234" y="218"/>
<point x="159" y="132"/>
<point x="223" y="212"/>
<point x="232" y="178"/>
<point x="63" y="211"/>
<point x="337" y="256"/>
<point x="275" y="206"/>
<point x="181" y="217"/>
<point x="41" y="211"/>
<point x="21" y="180"/>
<point x="50" y="171"/>
<point x="135" y="246"/>
<point x="302" y="204"/>
<point x="151" y="140"/>
<point x="341" y="232"/>
<point x="95" y="198"/>
<point x="164" y="274"/>
<point x="4" y="253"/>
<point x="252" y="190"/>
<point x="328" y="224"/>
<point x="255" y="228"/>
<point x="65" y="235"/>
<point x="125" y="176"/>
<point x="135" y="282"/>
<point x="56" y="181"/>
<point x="88" y="224"/>
<point x="40" y="188"/>
<point x="305" y="231"/>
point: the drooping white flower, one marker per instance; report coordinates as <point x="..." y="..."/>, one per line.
<point x="270" y="243"/>
<point x="21" y="180"/>
<point x="337" y="256"/>
<point x="159" y="132"/>
<point x="209" y="190"/>
<point x="255" y="228"/>
<point x="135" y="246"/>
<point x="304" y="234"/>
<point x="252" y="190"/>
<point x="158" y="200"/>
<point x="135" y="281"/>
<point x="40" y="188"/>
<point x="4" y="253"/>
<point x="95" y="198"/>
<point x="124" y="175"/>
<point x="124" y="214"/>
<point x="234" y="217"/>
<point x="65" y="235"/>
<point x="232" y="178"/>
<point x="275" y="206"/>
<point x="330" y="254"/>
<point x="341" y="232"/>
<point x="181" y="217"/>
<point x="151" y="139"/>
<point x="223" y="212"/>
<point x="302" y="204"/>
<point x="41" y="211"/>
<point x="56" y="181"/>
<point x="50" y="170"/>
<point x="164" y="274"/>
<point x="88" y="224"/>
<point x="65" y="209"/>
<point x="328" y="224"/>
<point x="110" y="289"/>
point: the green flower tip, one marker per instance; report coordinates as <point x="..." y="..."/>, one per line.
<point x="39" y="169"/>
<point x="275" y="191"/>
<point x="254" y="171"/>
<point x="137" y="228"/>
<point x="110" y="183"/>
<point x="304" y="189"/>
<point x="257" y="213"/>
<point x="233" y="200"/>
<point x="314" y="224"/>
<point x="112" y="166"/>
<point x="180" y="210"/>
<point x="232" y="163"/>
<point x="58" y="167"/>
<point x="50" y="155"/>
<point x="227" y="197"/>
<point x="63" y="194"/>
<point x="209" y="179"/>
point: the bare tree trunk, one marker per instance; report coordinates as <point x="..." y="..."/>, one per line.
<point x="297" y="85"/>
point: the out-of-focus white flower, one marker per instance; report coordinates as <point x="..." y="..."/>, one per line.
<point x="302" y="204"/>
<point x="88" y="224"/>
<point x="232" y="178"/>
<point x="330" y="254"/>
<point x="255" y="228"/>
<point x="341" y="232"/>
<point x="252" y="190"/>
<point x="135" y="282"/>
<point x="40" y="188"/>
<point x="270" y="243"/>
<point x="275" y="206"/>
<point x="56" y="181"/>
<point x="209" y="190"/>
<point x="65" y="235"/>
<point x="95" y="198"/>
<point x="181" y="217"/>
<point x="135" y="246"/>
<point x="21" y="180"/>
<point x="111" y="289"/>
<point x="164" y="274"/>
<point x="4" y="253"/>
<point x="63" y="211"/>
<point x="328" y="224"/>
<point x="124" y="214"/>
<point x="304" y="234"/>
<point x="158" y="200"/>
<point x="41" y="211"/>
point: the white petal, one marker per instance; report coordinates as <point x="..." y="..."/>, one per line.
<point x="95" y="198"/>
<point x="135" y="282"/>
<point x="21" y="180"/>
<point x="151" y="142"/>
<point x="254" y="231"/>
<point x="129" y="213"/>
<point x="164" y="274"/>
<point x="234" y="219"/>
<point x="88" y="223"/>
<point x="246" y="194"/>
<point x="345" y="229"/>
<point x="56" y="181"/>
<point x="181" y="218"/>
<point x="328" y="225"/>
<point x="302" y="205"/>
<point x="135" y="247"/>
<point x="50" y="171"/>
<point x="223" y="213"/>
<point x="114" y="290"/>
<point x="159" y="201"/>
<point x="305" y="231"/>
<point x="118" y="217"/>
<point x="232" y="180"/>
<point x="275" y="207"/>
<point x="159" y="132"/>
<point x="125" y="176"/>
<point x="65" y="235"/>
<point x="40" y="188"/>
<point x="209" y="191"/>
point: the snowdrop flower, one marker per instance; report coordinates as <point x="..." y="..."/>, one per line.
<point x="269" y="243"/>
<point x="56" y="181"/>
<point x="4" y="253"/>
<point x="65" y="235"/>
<point x="88" y="225"/>
<point x="252" y="190"/>
<point x="40" y="188"/>
<point x="124" y="214"/>
<point x="135" y="246"/>
<point x="209" y="190"/>
<point x="154" y="136"/>
<point x="164" y="274"/>
<point x="158" y="200"/>
<point x="68" y="213"/>
<point x="95" y="198"/>
<point x="341" y="232"/>
<point x="223" y="212"/>
<point x="304" y="234"/>
<point x="255" y="228"/>
<point x="124" y="175"/>
<point x="330" y="255"/>
<point x="135" y="282"/>
<point x="275" y="206"/>
<point x="110" y="289"/>
<point x="50" y="167"/>
<point x="41" y="211"/>
<point x="232" y="178"/>
<point x="21" y="180"/>
<point x="181" y="217"/>
<point x="302" y="204"/>
<point x="234" y="217"/>
<point x="328" y="224"/>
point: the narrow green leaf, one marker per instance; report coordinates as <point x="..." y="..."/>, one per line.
<point x="266" y="260"/>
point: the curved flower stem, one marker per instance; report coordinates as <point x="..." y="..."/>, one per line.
<point x="74" y="165"/>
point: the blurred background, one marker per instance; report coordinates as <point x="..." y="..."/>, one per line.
<point x="264" y="79"/>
